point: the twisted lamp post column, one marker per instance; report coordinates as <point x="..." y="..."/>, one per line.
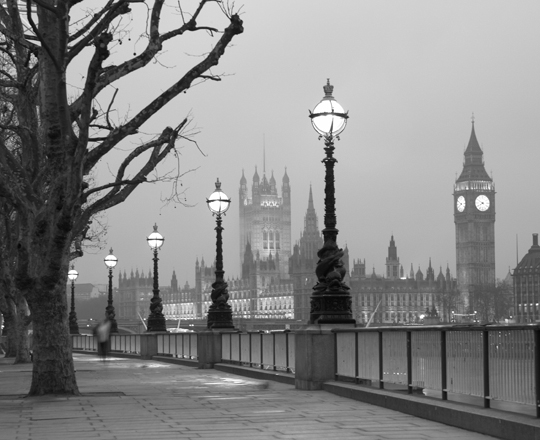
<point x="331" y="300"/>
<point x="156" y="320"/>
<point x="110" y="262"/>
<point x="220" y="311"/>
<point x="73" y="325"/>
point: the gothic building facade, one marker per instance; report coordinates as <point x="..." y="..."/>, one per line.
<point x="474" y="218"/>
<point x="276" y="283"/>
<point x="400" y="298"/>
<point x="265" y="219"/>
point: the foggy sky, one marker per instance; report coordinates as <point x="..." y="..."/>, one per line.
<point x="410" y="73"/>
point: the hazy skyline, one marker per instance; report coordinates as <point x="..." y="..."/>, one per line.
<point x="411" y="74"/>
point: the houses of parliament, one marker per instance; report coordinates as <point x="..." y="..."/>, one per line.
<point x="277" y="275"/>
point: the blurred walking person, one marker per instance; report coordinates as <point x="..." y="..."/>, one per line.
<point x="102" y="332"/>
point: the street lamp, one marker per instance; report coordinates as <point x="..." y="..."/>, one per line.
<point x="219" y="312"/>
<point x="110" y="262"/>
<point x="73" y="326"/>
<point x="156" y="320"/>
<point x="330" y="301"/>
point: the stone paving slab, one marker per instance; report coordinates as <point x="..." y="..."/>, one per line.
<point x="136" y="399"/>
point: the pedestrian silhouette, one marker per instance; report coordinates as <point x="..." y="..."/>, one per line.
<point x="102" y="333"/>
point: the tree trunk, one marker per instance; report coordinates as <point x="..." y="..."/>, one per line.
<point x="10" y="318"/>
<point x="21" y="331"/>
<point x="53" y="371"/>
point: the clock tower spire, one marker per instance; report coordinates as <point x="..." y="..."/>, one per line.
<point x="474" y="217"/>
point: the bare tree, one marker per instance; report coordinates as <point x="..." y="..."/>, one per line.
<point x="491" y="302"/>
<point x="45" y="180"/>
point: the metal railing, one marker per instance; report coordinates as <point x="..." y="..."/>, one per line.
<point x="490" y="362"/>
<point x="125" y="343"/>
<point x="118" y="343"/>
<point x="268" y="351"/>
<point x="84" y="342"/>
<point x="179" y="345"/>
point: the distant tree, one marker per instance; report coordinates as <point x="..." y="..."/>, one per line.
<point x="52" y="141"/>
<point x="491" y="302"/>
<point x="448" y="301"/>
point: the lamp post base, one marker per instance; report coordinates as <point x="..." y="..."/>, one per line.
<point x="331" y="308"/>
<point x="73" y="325"/>
<point x="156" y="323"/>
<point x="220" y="317"/>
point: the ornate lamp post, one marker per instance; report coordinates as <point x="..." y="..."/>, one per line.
<point x="110" y="262"/>
<point x="220" y="312"/>
<point x="156" y="320"/>
<point x="330" y="300"/>
<point x="73" y="325"/>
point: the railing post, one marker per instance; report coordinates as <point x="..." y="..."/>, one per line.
<point x="314" y="357"/>
<point x="250" y="350"/>
<point x="536" y="333"/>
<point x="209" y="348"/>
<point x="356" y="363"/>
<point x="262" y="351"/>
<point x="287" y="369"/>
<point x="148" y="345"/>
<point x="485" y="345"/>
<point x="381" y="371"/>
<point x="335" y="357"/>
<point x="409" y="363"/>
<point x="274" y="350"/>
<point x="444" y="373"/>
<point x="239" y="348"/>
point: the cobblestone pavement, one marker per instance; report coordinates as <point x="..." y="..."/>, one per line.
<point x="137" y="399"/>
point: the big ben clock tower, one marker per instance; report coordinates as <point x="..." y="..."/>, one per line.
<point x="474" y="216"/>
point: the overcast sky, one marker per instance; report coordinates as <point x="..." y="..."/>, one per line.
<point x="411" y="74"/>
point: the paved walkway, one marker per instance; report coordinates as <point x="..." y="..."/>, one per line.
<point x="137" y="399"/>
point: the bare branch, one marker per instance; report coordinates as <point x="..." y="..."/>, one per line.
<point x="131" y="127"/>
<point x="44" y="44"/>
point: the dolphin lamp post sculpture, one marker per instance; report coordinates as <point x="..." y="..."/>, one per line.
<point x="156" y="320"/>
<point x="73" y="325"/>
<point x="110" y="262"/>
<point x="220" y="311"/>
<point x="331" y="300"/>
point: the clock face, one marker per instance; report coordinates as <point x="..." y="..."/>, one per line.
<point x="460" y="204"/>
<point x="482" y="203"/>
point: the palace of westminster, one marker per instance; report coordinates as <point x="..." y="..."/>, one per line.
<point x="278" y="277"/>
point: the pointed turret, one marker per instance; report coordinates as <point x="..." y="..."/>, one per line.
<point x="285" y="179"/>
<point x="174" y="282"/>
<point x="243" y="180"/>
<point x="440" y="278"/>
<point x="286" y="190"/>
<point x="310" y="241"/>
<point x="430" y="274"/>
<point x="392" y="261"/>
<point x="473" y="166"/>
<point x="419" y="275"/>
